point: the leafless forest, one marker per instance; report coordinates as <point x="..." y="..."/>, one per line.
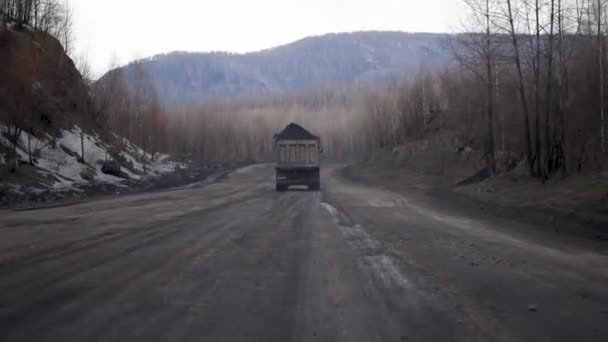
<point x="526" y="85"/>
<point x="49" y="16"/>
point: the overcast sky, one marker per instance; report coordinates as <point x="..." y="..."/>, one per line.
<point x="123" y="30"/>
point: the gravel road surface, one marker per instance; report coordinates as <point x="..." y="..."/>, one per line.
<point x="233" y="260"/>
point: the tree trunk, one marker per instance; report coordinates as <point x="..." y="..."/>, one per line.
<point x="82" y="146"/>
<point x="143" y="157"/>
<point x="522" y="93"/>
<point x="14" y="137"/>
<point x="563" y="89"/>
<point x="548" y="95"/>
<point x="490" y="109"/>
<point x="601" y="73"/>
<point x="537" y="157"/>
<point x="29" y="148"/>
<point x="502" y="113"/>
<point x="14" y="166"/>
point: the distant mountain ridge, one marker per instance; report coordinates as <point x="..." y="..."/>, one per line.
<point x="331" y="59"/>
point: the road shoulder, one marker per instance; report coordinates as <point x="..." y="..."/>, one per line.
<point x="544" y="224"/>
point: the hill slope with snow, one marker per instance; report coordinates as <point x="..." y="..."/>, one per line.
<point x="76" y="160"/>
<point x="332" y="59"/>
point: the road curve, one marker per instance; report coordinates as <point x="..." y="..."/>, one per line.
<point x="235" y="261"/>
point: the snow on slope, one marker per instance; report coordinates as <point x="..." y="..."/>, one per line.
<point x="59" y="162"/>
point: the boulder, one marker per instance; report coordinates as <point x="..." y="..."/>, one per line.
<point x="114" y="170"/>
<point x="521" y="169"/>
<point x="88" y="175"/>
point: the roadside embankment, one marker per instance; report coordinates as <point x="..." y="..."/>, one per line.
<point x="577" y="205"/>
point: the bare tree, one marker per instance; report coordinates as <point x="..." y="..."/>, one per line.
<point x="548" y="93"/>
<point x="601" y="73"/>
<point x="475" y="50"/>
<point x="521" y="88"/>
<point x="65" y="29"/>
<point x="490" y="89"/>
<point x="563" y="97"/>
<point x="535" y="49"/>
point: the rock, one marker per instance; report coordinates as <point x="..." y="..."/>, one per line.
<point x="114" y="170"/>
<point x="532" y="308"/>
<point x="69" y="152"/>
<point x="478" y="177"/>
<point x="521" y="169"/>
<point x="88" y="175"/>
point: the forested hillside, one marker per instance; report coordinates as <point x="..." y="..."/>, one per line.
<point x="528" y="90"/>
<point x="329" y="60"/>
<point x="522" y="88"/>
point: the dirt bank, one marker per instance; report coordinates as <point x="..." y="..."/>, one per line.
<point x="560" y="207"/>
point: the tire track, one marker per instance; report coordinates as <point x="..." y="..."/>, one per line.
<point x="200" y="277"/>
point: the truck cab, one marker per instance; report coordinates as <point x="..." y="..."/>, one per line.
<point x="297" y="158"/>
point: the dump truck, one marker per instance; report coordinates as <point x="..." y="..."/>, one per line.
<point x="297" y="158"/>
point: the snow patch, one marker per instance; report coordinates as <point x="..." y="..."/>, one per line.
<point x="359" y="238"/>
<point x="381" y="265"/>
<point x="58" y="158"/>
<point x="385" y="268"/>
<point x="249" y="169"/>
<point x="333" y="211"/>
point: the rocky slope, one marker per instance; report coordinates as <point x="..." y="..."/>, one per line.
<point x="50" y="140"/>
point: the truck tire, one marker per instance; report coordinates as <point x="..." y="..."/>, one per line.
<point x="280" y="187"/>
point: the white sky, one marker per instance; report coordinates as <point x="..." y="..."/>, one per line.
<point x="122" y="30"/>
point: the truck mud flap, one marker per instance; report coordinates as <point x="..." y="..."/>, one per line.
<point x="305" y="177"/>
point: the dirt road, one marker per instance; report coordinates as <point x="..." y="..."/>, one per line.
<point x="236" y="261"/>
